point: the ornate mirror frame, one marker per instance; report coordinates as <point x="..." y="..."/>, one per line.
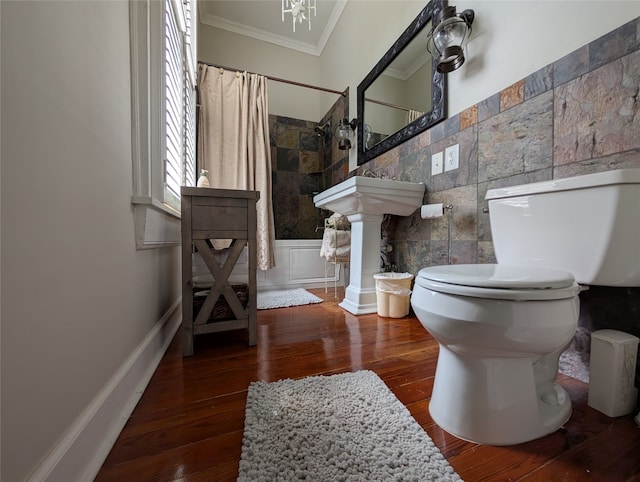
<point x="438" y="85"/>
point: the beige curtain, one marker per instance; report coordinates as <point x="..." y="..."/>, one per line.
<point x="233" y="142"/>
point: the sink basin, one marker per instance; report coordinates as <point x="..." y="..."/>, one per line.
<point x="370" y="195"/>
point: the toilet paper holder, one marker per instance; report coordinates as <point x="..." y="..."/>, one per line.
<point x="430" y="211"/>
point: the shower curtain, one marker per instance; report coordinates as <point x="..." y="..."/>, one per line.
<point x="233" y="143"/>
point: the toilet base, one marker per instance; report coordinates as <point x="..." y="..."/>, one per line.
<point x="495" y="401"/>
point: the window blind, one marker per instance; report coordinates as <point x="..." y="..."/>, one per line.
<point x="179" y="99"/>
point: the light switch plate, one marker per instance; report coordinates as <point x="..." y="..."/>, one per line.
<point x="451" y="161"/>
<point x="436" y="163"/>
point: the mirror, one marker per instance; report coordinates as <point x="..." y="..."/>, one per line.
<point x="403" y="94"/>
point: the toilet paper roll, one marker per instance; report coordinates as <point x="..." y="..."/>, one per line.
<point x="429" y="211"/>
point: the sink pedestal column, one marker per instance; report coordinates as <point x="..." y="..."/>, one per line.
<point x="365" y="200"/>
<point x="360" y="295"/>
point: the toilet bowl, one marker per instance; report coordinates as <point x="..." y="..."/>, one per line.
<point x="501" y="328"/>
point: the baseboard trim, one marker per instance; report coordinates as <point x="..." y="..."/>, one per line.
<point x="84" y="447"/>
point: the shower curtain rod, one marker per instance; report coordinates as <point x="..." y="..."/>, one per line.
<point x="276" y="79"/>
<point x="387" y="104"/>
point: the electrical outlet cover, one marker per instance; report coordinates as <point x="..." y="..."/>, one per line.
<point x="436" y="163"/>
<point x="451" y="155"/>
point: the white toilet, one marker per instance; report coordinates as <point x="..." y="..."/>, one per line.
<point x="502" y="327"/>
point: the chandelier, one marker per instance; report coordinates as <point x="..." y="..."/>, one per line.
<point x="300" y="10"/>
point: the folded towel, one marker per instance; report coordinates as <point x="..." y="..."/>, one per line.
<point x="337" y="221"/>
<point x="336" y="237"/>
<point x="332" y="239"/>
<point x="337" y="255"/>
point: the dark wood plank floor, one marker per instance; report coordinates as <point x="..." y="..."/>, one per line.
<point x="188" y="425"/>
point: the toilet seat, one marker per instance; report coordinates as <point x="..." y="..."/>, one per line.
<point x="499" y="281"/>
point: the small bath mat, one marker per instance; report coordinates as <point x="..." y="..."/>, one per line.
<point x="347" y="427"/>
<point x="285" y="298"/>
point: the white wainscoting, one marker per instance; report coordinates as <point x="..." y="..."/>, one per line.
<point x="298" y="265"/>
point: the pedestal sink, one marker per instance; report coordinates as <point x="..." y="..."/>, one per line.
<point x="365" y="200"/>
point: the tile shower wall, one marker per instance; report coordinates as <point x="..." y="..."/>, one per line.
<point x="579" y="115"/>
<point x="296" y="164"/>
<point x="336" y="162"/>
<point x="302" y="165"/>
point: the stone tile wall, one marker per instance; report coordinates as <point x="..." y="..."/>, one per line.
<point x="336" y="162"/>
<point x="302" y="165"/>
<point x="579" y="115"/>
<point x="296" y="163"/>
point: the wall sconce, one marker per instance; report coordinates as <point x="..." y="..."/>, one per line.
<point x="449" y="37"/>
<point x="344" y="133"/>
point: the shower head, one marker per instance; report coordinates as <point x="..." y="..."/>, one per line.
<point x="321" y="131"/>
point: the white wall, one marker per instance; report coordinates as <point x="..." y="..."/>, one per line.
<point x="511" y="39"/>
<point x="366" y="30"/>
<point x="237" y="51"/>
<point x="77" y="298"/>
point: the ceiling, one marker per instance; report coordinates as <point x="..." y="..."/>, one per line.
<point x="262" y="20"/>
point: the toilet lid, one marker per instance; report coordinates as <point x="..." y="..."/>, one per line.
<point x="499" y="281"/>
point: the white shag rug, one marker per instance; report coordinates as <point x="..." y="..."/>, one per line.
<point x="572" y="365"/>
<point x="347" y="427"/>
<point x="284" y="298"/>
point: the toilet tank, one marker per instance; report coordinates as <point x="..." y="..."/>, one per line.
<point x="588" y="225"/>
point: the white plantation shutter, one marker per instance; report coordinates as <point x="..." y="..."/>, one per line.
<point x="179" y="99"/>
<point x="190" y="136"/>
<point x="190" y="36"/>
<point x="191" y="69"/>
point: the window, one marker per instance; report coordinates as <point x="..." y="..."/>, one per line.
<point x="179" y="89"/>
<point x="163" y="72"/>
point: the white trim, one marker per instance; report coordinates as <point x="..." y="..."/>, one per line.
<point x="147" y="83"/>
<point x="157" y="225"/>
<point x="140" y="115"/>
<point x="331" y="24"/>
<point x="156" y="204"/>
<point x="255" y="33"/>
<point x="84" y="447"/>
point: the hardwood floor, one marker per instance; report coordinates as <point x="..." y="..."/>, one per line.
<point x="188" y="425"/>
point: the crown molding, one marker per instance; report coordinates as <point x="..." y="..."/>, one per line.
<point x="412" y="69"/>
<point x="282" y="41"/>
